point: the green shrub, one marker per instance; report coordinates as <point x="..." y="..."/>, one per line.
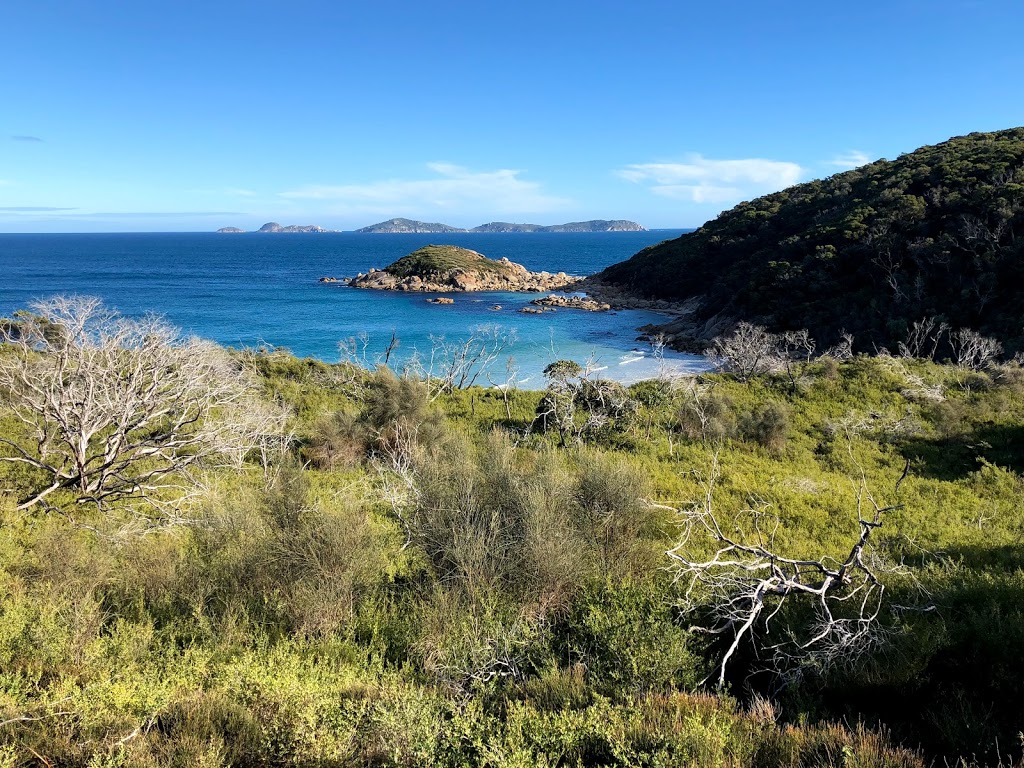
<point x="768" y="426"/>
<point x="338" y="441"/>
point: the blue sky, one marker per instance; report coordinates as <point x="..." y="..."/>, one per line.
<point x="188" y="116"/>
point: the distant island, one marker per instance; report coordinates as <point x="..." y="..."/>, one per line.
<point x="408" y="226"/>
<point x="401" y="226"/>
<point x="594" y="225"/>
<point x="273" y="226"/>
<point x="447" y="268"/>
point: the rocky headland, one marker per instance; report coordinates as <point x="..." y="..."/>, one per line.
<point x="448" y="268"/>
<point x="934" y="235"/>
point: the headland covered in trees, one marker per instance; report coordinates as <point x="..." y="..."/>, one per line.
<point x="936" y="233"/>
<point x="811" y="556"/>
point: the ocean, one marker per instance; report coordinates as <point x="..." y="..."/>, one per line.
<point x="248" y="290"/>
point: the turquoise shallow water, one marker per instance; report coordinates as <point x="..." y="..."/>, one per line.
<point x="251" y="289"/>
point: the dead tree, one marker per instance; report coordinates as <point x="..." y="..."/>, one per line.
<point x="738" y="575"/>
<point x="703" y="415"/>
<point x="843" y="350"/>
<point x="459" y="364"/>
<point x="973" y="351"/>
<point x="507" y="386"/>
<point x="111" y="408"/>
<point x="796" y="350"/>
<point x="749" y="351"/>
<point x="923" y="339"/>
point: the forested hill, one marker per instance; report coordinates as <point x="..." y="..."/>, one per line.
<point x="937" y="232"/>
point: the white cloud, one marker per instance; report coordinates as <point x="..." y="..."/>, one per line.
<point x="453" y="188"/>
<point x="701" y="180"/>
<point x="853" y="158"/>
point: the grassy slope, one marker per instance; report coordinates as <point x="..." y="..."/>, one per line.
<point x="439" y="259"/>
<point x="938" y="231"/>
<point x="290" y="626"/>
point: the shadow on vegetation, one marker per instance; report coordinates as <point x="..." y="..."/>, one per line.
<point x="951" y="685"/>
<point x="955" y="456"/>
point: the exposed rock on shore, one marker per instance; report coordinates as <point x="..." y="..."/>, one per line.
<point x="572" y="302"/>
<point x="681" y="330"/>
<point x="448" y="268"/>
<point x="621" y="298"/>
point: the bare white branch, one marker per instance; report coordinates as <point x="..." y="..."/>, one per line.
<point x="737" y="574"/>
<point x="973" y="351"/>
<point x="113" y="408"/>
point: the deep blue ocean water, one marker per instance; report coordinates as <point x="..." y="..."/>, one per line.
<point x="253" y="289"/>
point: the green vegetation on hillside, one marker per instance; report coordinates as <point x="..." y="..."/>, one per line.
<point x="441" y="259"/>
<point x="404" y="575"/>
<point x="400" y="225"/>
<point x="594" y="225"/>
<point x="870" y="251"/>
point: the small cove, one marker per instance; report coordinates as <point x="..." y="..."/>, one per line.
<point x="259" y="289"/>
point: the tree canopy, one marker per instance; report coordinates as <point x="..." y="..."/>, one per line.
<point x="869" y="251"/>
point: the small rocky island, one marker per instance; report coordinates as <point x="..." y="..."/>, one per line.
<point x="274" y="227"/>
<point x="571" y="302"/>
<point x="448" y="268"/>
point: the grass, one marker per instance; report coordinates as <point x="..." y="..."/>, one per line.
<point x="518" y="609"/>
<point x="439" y="259"/>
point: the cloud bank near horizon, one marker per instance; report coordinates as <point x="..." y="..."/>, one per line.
<point x="453" y="189"/>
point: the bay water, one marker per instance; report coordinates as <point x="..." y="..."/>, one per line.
<point x="247" y="290"/>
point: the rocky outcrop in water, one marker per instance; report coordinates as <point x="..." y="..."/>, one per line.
<point x="572" y="302"/>
<point x="448" y="268"/>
